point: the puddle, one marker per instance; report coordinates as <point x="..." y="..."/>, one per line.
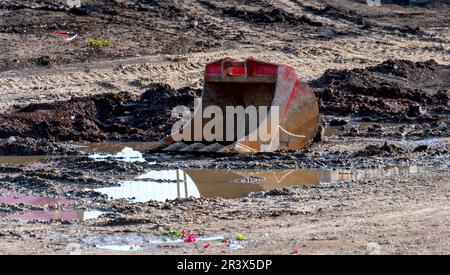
<point x="112" y="147"/>
<point x="14" y="199"/>
<point x="35" y="162"/>
<point x="171" y="184"/>
<point x="130" y="241"/>
<point x="44" y="215"/>
<point x="120" y="247"/>
<point x="66" y="215"/>
<point x="122" y="151"/>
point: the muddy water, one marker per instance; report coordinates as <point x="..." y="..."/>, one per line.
<point x="30" y="161"/>
<point x="161" y="185"/>
<point x="172" y="184"/>
<point x="43" y="216"/>
<point x="16" y="199"/>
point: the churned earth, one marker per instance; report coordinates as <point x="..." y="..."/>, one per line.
<point x="76" y="176"/>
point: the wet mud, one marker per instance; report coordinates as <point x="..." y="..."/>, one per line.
<point x="109" y="116"/>
<point x="395" y="90"/>
<point x="76" y="175"/>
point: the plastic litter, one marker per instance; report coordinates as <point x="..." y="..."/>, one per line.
<point x="67" y="36"/>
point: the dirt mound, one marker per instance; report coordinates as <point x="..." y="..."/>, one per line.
<point x="108" y="116"/>
<point x="390" y="90"/>
<point x="154" y="111"/>
<point x="268" y="16"/>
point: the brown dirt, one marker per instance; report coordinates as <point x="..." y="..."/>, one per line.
<point x="386" y="91"/>
<point x="361" y="60"/>
<point x="110" y="116"/>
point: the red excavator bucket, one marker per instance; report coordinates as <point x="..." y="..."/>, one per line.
<point x="287" y="113"/>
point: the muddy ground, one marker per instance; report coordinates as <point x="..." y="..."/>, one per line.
<point x="381" y="74"/>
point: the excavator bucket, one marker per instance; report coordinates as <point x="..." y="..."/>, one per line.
<point x="249" y="106"/>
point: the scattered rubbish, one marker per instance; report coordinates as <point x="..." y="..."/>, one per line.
<point x="206" y="246"/>
<point x="173" y="233"/>
<point x="67" y="36"/>
<point x="296" y="251"/>
<point x="190" y="238"/>
<point x="240" y="237"/>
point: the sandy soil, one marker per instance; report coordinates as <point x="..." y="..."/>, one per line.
<point x="169" y="42"/>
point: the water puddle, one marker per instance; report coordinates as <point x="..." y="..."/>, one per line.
<point x="130" y="241"/>
<point x="112" y="148"/>
<point x="171" y="184"/>
<point x="34" y="162"/>
<point x="45" y="216"/>
<point x="15" y="199"/>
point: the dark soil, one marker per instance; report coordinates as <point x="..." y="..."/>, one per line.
<point x="108" y="116"/>
<point x="29" y="146"/>
<point x="268" y="16"/>
<point x="394" y="90"/>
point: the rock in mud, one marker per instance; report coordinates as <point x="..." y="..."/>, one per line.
<point x="385" y="150"/>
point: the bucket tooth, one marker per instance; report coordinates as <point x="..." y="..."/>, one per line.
<point x="194" y="147"/>
<point x="157" y="145"/>
<point x="215" y="147"/>
<point x="175" y="147"/>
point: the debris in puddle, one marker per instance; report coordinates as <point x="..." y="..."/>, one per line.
<point x="240" y="237"/>
<point x="173" y="233"/>
<point x="65" y="35"/>
<point x="127" y="154"/>
<point x="190" y="238"/>
<point x="137" y="241"/>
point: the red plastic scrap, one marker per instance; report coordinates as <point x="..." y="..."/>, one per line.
<point x="190" y="238"/>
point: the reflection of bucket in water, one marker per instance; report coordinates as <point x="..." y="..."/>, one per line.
<point x="172" y="184"/>
<point x="212" y="183"/>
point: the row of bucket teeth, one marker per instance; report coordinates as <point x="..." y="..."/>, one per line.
<point x="183" y="147"/>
